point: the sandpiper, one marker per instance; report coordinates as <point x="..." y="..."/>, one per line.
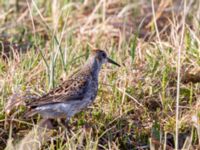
<point x="74" y="94"/>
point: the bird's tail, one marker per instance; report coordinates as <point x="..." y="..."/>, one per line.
<point x="14" y="101"/>
<point x="18" y="99"/>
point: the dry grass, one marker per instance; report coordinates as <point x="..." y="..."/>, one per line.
<point x="43" y="42"/>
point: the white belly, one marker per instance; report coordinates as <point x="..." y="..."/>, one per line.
<point x="62" y="110"/>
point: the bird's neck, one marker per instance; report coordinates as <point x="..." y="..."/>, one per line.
<point x="94" y="66"/>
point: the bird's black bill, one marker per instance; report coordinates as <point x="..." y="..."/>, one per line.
<point x="113" y="62"/>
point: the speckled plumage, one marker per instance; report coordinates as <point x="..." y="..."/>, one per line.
<point x="74" y="94"/>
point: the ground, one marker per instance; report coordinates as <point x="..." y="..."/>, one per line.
<point x="140" y="105"/>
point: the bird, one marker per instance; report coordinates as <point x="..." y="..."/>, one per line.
<point x="74" y="94"/>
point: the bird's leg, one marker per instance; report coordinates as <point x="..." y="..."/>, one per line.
<point x="66" y="125"/>
<point x="67" y="122"/>
<point x="61" y="122"/>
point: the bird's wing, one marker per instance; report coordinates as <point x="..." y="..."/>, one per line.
<point x="72" y="89"/>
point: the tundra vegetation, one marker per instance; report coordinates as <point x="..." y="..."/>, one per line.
<point x="152" y="101"/>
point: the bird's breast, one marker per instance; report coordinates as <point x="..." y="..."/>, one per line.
<point x="93" y="88"/>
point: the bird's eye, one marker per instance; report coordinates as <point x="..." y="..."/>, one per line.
<point x="104" y="55"/>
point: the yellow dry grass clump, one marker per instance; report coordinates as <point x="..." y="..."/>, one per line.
<point x="151" y="102"/>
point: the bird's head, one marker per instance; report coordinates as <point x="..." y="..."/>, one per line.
<point x="102" y="57"/>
